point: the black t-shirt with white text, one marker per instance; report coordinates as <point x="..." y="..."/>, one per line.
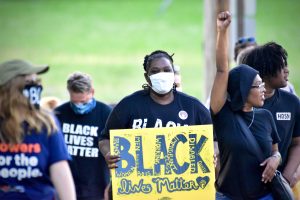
<point x="81" y="133"/>
<point x="240" y="173"/>
<point x="285" y="108"/>
<point x="139" y="110"/>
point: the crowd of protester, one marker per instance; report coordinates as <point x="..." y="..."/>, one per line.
<point x="67" y="144"/>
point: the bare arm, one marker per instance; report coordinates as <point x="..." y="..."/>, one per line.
<point x="219" y="89"/>
<point x="105" y="150"/>
<point x="62" y="180"/>
<point x="271" y="164"/>
<point x="295" y="177"/>
<point x="216" y="159"/>
<point x="293" y="161"/>
<point x="104" y="146"/>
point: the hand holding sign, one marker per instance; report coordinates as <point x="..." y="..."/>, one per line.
<point x="162" y="162"/>
<point x="111" y="160"/>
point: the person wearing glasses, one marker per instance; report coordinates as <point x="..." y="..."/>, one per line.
<point x="239" y="124"/>
<point x="270" y="60"/>
<point x="33" y="154"/>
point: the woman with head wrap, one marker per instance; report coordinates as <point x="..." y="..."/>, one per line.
<point x="234" y="98"/>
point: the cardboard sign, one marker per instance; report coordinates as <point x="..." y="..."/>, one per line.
<point x="163" y="163"/>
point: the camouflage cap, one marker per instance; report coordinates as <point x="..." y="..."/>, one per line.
<point x="13" y="68"/>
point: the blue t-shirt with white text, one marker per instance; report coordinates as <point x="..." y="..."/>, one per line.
<point x="24" y="167"/>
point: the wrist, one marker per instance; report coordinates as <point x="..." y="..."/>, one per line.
<point x="107" y="154"/>
<point x="222" y="31"/>
<point x="277" y="155"/>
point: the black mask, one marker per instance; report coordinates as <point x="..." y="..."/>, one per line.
<point x="33" y="93"/>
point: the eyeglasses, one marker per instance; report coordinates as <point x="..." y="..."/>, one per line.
<point x="245" y="40"/>
<point x="260" y="86"/>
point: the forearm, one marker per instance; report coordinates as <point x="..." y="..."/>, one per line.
<point x="62" y="180"/>
<point x="276" y="154"/>
<point x="222" y="51"/>
<point x="292" y="162"/>
<point x="104" y="146"/>
<point x="216" y="159"/>
<point x="271" y="164"/>
<point x="219" y="89"/>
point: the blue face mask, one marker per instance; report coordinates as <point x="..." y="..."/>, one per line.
<point x="83" y="108"/>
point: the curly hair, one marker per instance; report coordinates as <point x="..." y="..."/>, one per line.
<point x="268" y="59"/>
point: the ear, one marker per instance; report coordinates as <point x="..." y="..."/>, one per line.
<point x="92" y="91"/>
<point x="147" y="78"/>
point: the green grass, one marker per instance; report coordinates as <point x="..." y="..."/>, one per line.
<point x="109" y="39"/>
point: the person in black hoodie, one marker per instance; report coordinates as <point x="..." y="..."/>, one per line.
<point x="234" y="96"/>
<point x="270" y="60"/>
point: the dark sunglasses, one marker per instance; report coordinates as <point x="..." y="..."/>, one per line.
<point x="246" y="40"/>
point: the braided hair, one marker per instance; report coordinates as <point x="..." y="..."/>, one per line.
<point x="268" y="59"/>
<point x="154" y="55"/>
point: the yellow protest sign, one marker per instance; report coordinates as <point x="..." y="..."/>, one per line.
<point x="163" y="163"/>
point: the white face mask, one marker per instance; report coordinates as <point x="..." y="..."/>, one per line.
<point x="162" y="82"/>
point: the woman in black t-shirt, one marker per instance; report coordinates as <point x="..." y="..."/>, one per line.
<point x="234" y="95"/>
<point x="158" y="105"/>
